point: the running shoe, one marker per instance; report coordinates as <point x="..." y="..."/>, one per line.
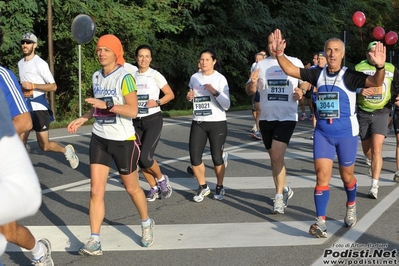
<point x="225" y="156"/>
<point x="201" y="193"/>
<point x="71" y="156"/>
<point x="147" y="238"/>
<point x="219" y="193"/>
<point x="92" y="248"/>
<point x="319" y="228"/>
<point x="303" y="117"/>
<point x="278" y="206"/>
<point x="396" y="177"/>
<point x="311" y="117"/>
<point x="287" y="195"/>
<point x="254" y="128"/>
<point x="373" y="193"/>
<point x="257" y="135"/>
<point x="368" y="161"/>
<point x="190" y="170"/>
<point x="350" y="217"/>
<point x="166" y="188"/>
<point x="153" y="194"/>
<point x="46" y="260"/>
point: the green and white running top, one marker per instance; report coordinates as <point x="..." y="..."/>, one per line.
<point x="382" y="95"/>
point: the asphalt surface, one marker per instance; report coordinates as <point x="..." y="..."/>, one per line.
<point x="240" y="230"/>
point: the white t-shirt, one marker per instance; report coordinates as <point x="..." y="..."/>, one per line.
<point x="109" y="125"/>
<point x="276" y="91"/>
<point x="149" y="85"/>
<point x="36" y="71"/>
<point x="20" y="192"/>
<point x="207" y="107"/>
<point x="130" y="68"/>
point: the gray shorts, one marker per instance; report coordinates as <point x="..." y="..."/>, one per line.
<point x="372" y="123"/>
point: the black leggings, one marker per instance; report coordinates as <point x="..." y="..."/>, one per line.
<point x="200" y="132"/>
<point x="148" y="130"/>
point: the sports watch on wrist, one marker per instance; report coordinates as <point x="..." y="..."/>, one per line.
<point x="158" y="102"/>
<point x="109" y="104"/>
<point x="216" y="94"/>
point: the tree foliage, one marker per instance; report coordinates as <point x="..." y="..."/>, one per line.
<point x="178" y="30"/>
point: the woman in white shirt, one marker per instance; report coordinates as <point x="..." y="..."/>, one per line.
<point x="209" y="93"/>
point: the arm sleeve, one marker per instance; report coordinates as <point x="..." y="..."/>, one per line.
<point x="224" y="98"/>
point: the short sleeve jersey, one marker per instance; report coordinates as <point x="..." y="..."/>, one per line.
<point x="12" y="92"/>
<point x="113" y="87"/>
<point x="276" y="91"/>
<point x="36" y="71"/>
<point x="149" y="85"/>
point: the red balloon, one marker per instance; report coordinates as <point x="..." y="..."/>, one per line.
<point x="378" y="33"/>
<point x="391" y="38"/>
<point x="359" y="18"/>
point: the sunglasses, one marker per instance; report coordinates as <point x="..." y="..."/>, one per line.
<point x="26" y="42"/>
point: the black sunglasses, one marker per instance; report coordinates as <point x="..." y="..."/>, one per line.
<point x="27" y="42"/>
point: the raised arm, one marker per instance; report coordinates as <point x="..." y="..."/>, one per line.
<point x="278" y="47"/>
<point x="378" y="57"/>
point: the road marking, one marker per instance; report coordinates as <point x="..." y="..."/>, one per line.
<point x="245" y="234"/>
<point x="367" y="220"/>
<point x="185" y="236"/>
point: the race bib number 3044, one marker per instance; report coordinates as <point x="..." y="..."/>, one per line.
<point x="328" y="105"/>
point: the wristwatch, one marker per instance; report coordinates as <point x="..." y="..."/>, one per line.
<point x="216" y="94"/>
<point x="158" y="102"/>
<point x="109" y="104"/>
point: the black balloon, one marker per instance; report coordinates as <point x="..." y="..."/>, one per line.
<point x="83" y="28"/>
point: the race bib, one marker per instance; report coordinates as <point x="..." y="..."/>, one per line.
<point x="377" y="94"/>
<point x="278" y="90"/>
<point x="328" y="105"/>
<point x="103" y="116"/>
<point x="202" y="105"/>
<point x="142" y="101"/>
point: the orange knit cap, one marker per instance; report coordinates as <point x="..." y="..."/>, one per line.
<point x="112" y="42"/>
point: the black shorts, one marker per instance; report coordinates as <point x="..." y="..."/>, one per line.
<point x="276" y="130"/>
<point x="124" y="153"/>
<point x="308" y="93"/>
<point x="40" y="120"/>
<point x="255" y="99"/>
<point x="372" y="123"/>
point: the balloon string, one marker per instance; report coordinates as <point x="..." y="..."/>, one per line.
<point x="361" y="35"/>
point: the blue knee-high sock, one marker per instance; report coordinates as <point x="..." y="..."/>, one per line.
<point x="351" y="192"/>
<point x="321" y="198"/>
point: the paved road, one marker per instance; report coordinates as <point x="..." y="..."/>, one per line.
<point x="240" y="230"/>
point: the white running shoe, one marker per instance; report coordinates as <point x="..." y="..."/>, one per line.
<point x="287" y="195"/>
<point x="71" y="156"/>
<point x="350" y="216"/>
<point x="373" y="193"/>
<point x="278" y="207"/>
<point x="201" y="193"/>
<point x="319" y="228"/>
